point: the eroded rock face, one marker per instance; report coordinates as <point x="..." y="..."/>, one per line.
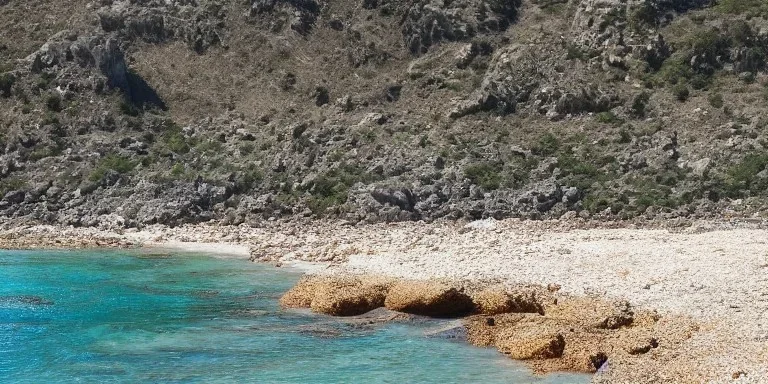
<point x="199" y="25"/>
<point x="530" y="342"/>
<point x="299" y="15"/>
<point x="66" y="49"/>
<point x="429" y="22"/>
<point x="610" y="27"/>
<point x="517" y="75"/>
<point x="578" y="334"/>
<point x="494" y="301"/>
<point x="428" y="298"/>
<point x="337" y="296"/>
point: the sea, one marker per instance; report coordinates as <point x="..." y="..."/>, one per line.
<point x="131" y="316"/>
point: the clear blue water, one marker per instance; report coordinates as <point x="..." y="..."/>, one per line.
<point x="118" y="317"/>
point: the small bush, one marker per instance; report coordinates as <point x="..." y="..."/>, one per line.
<point x="625" y="137"/>
<point x="644" y="16"/>
<point x="547" y="145"/>
<point x="177" y="170"/>
<point x="7" y="81"/>
<point x="681" y="92"/>
<point x="250" y="178"/>
<point x="45" y="80"/>
<point x="127" y="108"/>
<point x="112" y="162"/>
<point x="486" y="175"/>
<point x="752" y="7"/>
<point x="741" y="179"/>
<point x="331" y="188"/>
<point x="640" y="103"/>
<point x="675" y="70"/>
<point x="715" y="100"/>
<point x="176" y="142"/>
<point x="53" y="102"/>
<point x="608" y="118"/>
<point x="710" y="45"/>
<point x="12" y="184"/>
<point x="247" y="148"/>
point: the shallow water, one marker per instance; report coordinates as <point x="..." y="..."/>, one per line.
<point x="118" y="317"/>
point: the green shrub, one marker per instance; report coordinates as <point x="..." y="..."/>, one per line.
<point x="176" y="142"/>
<point x="6" y="84"/>
<point x="752" y="7"/>
<point x="45" y="80"/>
<point x="177" y="169"/>
<point x="625" y="137"/>
<point x="547" y="145"/>
<point x="53" y="102"/>
<point x="675" y="70"/>
<point x="112" y="162"/>
<point x="247" y="148"/>
<point x="608" y="118"/>
<point x="249" y="178"/>
<point x="331" y="188"/>
<point x="211" y="146"/>
<point x="742" y="179"/>
<point x="127" y="108"/>
<point x="485" y="175"/>
<point x="644" y="16"/>
<point x="12" y="184"/>
<point x="681" y="92"/>
<point x="754" y="59"/>
<point x="715" y="100"/>
<point x="639" y="104"/>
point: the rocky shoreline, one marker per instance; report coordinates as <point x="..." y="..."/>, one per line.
<point x="548" y="331"/>
<point x="652" y="303"/>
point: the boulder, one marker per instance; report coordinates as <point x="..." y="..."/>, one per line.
<point x="496" y="301"/>
<point x="337" y="295"/>
<point x="429" y="299"/>
<point x="428" y="23"/>
<point x="530" y="342"/>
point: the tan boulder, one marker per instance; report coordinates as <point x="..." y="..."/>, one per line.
<point x="495" y="301"/>
<point x="530" y="342"/>
<point x="429" y="299"/>
<point x="337" y="295"/>
<point x="350" y="301"/>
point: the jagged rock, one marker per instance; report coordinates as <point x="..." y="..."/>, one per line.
<point x="337" y="295"/>
<point x="14" y="197"/>
<point x="300" y="15"/>
<point x="102" y="53"/>
<point x="428" y="298"/>
<point x="402" y="198"/>
<point x="199" y="25"/>
<point x="429" y="22"/>
<point x="496" y="301"/>
<point x="530" y="342"/>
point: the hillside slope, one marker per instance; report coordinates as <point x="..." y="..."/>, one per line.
<point x="137" y="112"/>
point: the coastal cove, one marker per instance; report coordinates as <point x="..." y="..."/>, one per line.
<point x="701" y="282"/>
<point x="162" y="315"/>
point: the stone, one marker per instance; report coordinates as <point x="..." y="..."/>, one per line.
<point x="428" y="298"/>
<point x="530" y="342"/>
<point x="336" y="295"/>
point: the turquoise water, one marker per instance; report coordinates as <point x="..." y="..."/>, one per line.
<point x="118" y="317"/>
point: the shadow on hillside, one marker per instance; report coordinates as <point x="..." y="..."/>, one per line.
<point x="141" y="94"/>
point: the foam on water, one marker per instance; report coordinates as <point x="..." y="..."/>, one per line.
<point x="107" y="316"/>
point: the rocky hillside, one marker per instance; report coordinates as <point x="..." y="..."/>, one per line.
<point x="133" y="112"/>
